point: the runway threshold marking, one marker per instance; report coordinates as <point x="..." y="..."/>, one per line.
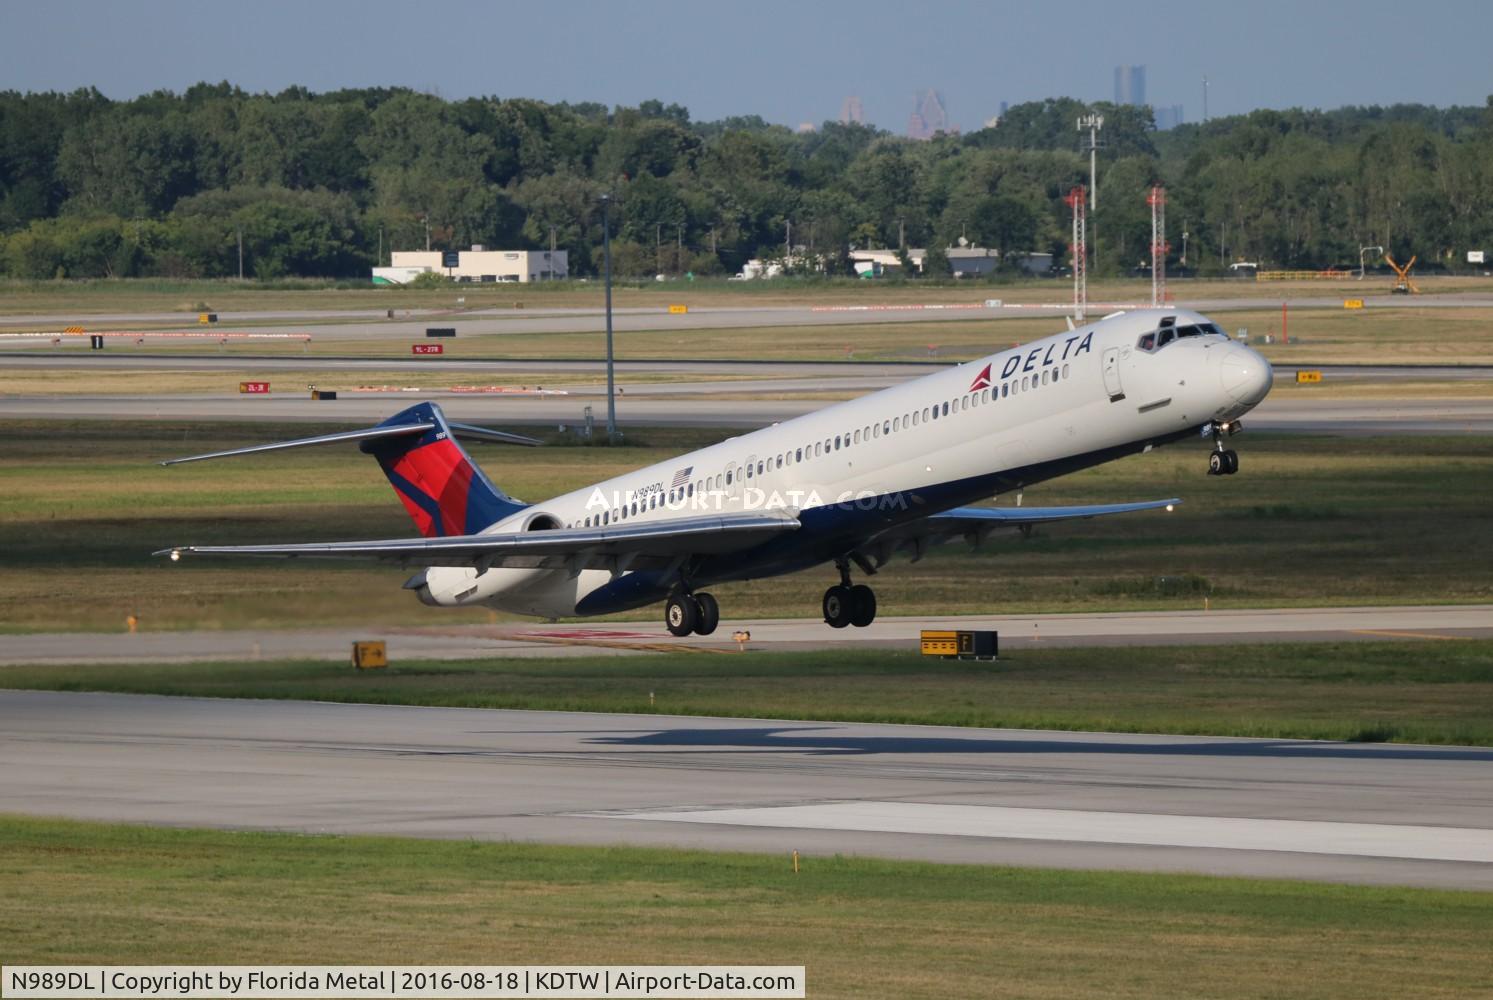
<point x="1404" y="635"/>
<point x="1424" y="843"/>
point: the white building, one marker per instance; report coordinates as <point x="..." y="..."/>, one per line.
<point x="477" y="264"/>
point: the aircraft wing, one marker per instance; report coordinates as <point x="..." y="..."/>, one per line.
<point x="628" y="546"/>
<point x="974" y="524"/>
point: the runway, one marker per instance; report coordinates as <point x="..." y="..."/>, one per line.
<point x="438" y="641"/>
<point x="1369" y="813"/>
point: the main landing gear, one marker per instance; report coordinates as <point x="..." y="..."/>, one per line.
<point x="849" y="605"/>
<point x="686" y="612"/>
<point x="1224" y="461"/>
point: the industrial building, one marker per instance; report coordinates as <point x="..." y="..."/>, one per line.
<point x="477" y="264"/>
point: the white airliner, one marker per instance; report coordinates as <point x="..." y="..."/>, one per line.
<point x="852" y="484"/>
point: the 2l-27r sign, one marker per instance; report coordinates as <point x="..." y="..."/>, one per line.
<point x="427" y="348"/>
<point x="254" y="387"/>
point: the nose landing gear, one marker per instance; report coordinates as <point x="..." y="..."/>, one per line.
<point x="1223" y="461"/>
<point x="849" y="605"/>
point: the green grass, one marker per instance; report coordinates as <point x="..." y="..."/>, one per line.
<point x="1309" y="521"/>
<point x="1415" y="692"/>
<point x="81" y="893"/>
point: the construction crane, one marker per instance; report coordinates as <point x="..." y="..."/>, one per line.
<point x="1405" y="285"/>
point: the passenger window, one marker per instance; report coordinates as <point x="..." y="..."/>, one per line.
<point x="857" y="439"/>
<point x="837" y="442"/>
<point x="780" y="462"/>
<point x="914" y="418"/>
<point x="728" y="479"/>
<point x="946" y="409"/>
<point x="1065" y="371"/>
<point x="1005" y="388"/>
<point x="935" y="413"/>
<point x="749" y="472"/>
<point x="690" y="490"/>
<point x="1044" y="376"/>
<point x="798" y="455"/>
<point x="985" y="395"/>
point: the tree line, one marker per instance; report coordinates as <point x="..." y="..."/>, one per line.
<point x="325" y="184"/>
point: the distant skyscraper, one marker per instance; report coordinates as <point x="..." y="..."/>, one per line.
<point x="1168" y="117"/>
<point x="928" y="117"/>
<point x="1130" y="85"/>
<point x="851" y="112"/>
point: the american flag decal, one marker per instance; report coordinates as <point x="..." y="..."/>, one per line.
<point x="681" y="477"/>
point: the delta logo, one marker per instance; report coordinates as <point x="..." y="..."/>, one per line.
<point x="982" y="380"/>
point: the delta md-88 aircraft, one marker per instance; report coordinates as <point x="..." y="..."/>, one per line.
<point x="850" y="485"/>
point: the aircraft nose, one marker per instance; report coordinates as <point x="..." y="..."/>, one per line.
<point x="1246" y="376"/>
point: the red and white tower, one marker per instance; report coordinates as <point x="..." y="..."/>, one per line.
<point x="1157" y="201"/>
<point x="1077" y="199"/>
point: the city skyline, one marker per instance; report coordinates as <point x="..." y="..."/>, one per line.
<point x="706" y="56"/>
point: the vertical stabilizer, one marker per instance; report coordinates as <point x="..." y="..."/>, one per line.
<point x="437" y="481"/>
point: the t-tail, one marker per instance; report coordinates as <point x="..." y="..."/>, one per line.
<point x="437" y="481"/>
<point x="442" y="488"/>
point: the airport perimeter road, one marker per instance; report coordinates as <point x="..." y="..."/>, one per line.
<point x="1320" y="415"/>
<point x="435" y="641"/>
<point x="1372" y="813"/>
<point x="364" y="324"/>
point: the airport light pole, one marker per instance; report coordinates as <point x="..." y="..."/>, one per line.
<point x="1093" y="123"/>
<point x="606" y="253"/>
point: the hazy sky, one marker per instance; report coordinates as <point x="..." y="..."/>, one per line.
<point x="789" y="62"/>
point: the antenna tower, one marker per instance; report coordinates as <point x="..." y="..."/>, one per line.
<point x="1077" y="198"/>
<point x="1157" y="201"/>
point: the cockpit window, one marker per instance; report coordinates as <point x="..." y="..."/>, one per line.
<point x="1155" y="340"/>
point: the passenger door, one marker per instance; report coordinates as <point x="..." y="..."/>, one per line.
<point x="1112" y="375"/>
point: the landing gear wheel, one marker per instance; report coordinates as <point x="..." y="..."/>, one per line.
<point x="1231" y="462"/>
<point x="862" y="605"/>
<point x="680" y="614"/>
<point x="709" y="614"/>
<point x="837" y="607"/>
<point x="1217" y="464"/>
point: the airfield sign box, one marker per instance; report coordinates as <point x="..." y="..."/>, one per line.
<point x="254" y="388"/>
<point x="963" y="644"/>
<point x="427" y="348"/>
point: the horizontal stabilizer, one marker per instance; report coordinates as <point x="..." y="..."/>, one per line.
<point x="366" y="434"/>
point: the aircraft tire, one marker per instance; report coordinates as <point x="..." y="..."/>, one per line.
<point x="837" y="605"/>
<point x="1217" y="464"/>
<point x="709" y="614"/>
<point x="862" y="605"/>
<point x="1231" y="462"/>
<point x="680" y="614"/>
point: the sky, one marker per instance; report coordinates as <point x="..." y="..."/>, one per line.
<point x="790" y="62"/>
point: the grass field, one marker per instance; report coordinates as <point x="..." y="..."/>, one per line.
<point x="1412" y="692"/>
<point x="1308" y="521"/>
<point x="95" y="894"/>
